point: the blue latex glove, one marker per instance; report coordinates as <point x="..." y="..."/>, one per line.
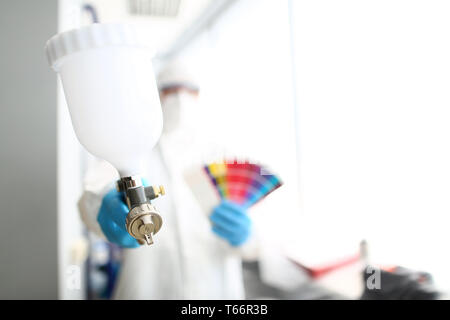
<point x="111" y="217"/>
<point x="231" y="222"/>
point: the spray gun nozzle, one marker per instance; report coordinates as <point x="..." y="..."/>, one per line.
<point x="148" y="239"/>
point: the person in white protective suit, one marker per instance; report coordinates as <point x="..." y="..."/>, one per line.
<point x="195" y="255"/>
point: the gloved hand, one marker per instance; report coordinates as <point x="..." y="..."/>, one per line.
<point x="231" y="222"/>
<point x="111" y="217"/>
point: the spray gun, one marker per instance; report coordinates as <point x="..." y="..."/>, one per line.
<point x="143" y="220"/>
<point x="109" y="84"/>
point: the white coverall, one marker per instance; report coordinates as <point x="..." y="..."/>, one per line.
<point x="187" y="260"/>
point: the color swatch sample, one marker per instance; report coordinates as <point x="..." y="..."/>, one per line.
<point x="241" y="182"/>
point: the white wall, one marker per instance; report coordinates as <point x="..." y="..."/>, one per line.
<point x="28" y="174"/>
<point x="373" y="83"/>
<point x="72" y="248"/>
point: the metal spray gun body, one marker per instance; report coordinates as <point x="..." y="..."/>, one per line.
<point x="143" y="220"/>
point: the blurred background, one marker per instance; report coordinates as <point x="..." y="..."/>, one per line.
<point x="346" y="100"/>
